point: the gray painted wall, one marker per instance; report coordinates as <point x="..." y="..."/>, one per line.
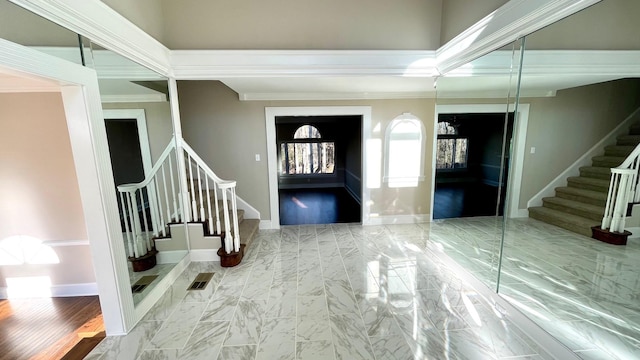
<point x="227" y="133"/>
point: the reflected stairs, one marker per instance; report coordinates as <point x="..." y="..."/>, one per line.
<point x="580" y="205"/>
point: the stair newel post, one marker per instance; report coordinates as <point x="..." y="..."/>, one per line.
<point x="228" y="238"/>
<point x="216" y="186"/>
<point x="234" y="208"/>
<point x="173" y="192"/>
<point x="125" y="214"/>
<point x="194" y="206"/>
<point x="202" y="217"/>
<point x="206" y="179"/>
<point x="166" y="197"/>
<point x="160" y="217"/>
<point x="620" y="208"/>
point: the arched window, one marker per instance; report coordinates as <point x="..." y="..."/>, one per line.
<point x="405" y="141"/>
<point x="307" y="153"/>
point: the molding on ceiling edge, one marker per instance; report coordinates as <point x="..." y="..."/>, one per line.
<point x="508" y="23"/>
<point x="103" y="25"/>
<point x="98" y="22"/>
<point x="219" y="64"/>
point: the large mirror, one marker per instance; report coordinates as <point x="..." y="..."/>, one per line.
<point x="581" y="83"/>
<point x="137" y="114"/>
<point x="139" y="129"/>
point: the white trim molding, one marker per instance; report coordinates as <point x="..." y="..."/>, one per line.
<point x="220" y="64"/>
<point x="106" y="27"/>
<point x="508" y="23"/>
<point x="63" y="290"/>
<point x="375" y="219"/>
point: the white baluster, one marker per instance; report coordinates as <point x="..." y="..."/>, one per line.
<point x="166" y="197"/>
<point x="608" y="210"/>
<point x="145" y="235"/>
<point x="236" y="233"/>
<point x="125" y="214"/>
<point x="202" y="217"/>
<point x="194" y="210"/>
<point x="134" y="230"/>
<point x="153" y="206"/>
<point x="620" y="208"/>
<point x="173" y="194"/>
<point x="215" y="198"/>
<point x="160" y="215"/>
<point x="206" y="179"/>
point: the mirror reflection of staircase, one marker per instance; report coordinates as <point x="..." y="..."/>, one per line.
<point x="581" y="204"/>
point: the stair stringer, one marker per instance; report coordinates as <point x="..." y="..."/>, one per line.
<point x="584" y="160"/>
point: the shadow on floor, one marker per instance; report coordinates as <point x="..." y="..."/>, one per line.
<point x="318" y="206"/>
<point x="464" y="200"/>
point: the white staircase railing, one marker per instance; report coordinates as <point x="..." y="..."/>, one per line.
<point x="203" y="180"/>
<point x="149" y="206"/>
<point x="623" y="189"/>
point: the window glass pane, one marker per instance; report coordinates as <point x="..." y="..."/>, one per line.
<point x="461" y="153"/>
<point x="307" y="132"/>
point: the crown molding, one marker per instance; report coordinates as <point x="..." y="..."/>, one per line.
<point x="220" y="64"/>
<point x="104" y="26"/>
<point x="508" y="23"/>
<point x="327" y="96"/>
<point x="133" y="98"/>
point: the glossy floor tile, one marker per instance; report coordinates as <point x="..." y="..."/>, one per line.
<point x="584" y="292"/>
<point x="334" y="292"/>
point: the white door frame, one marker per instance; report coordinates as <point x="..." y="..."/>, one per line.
<point x="85" y="122"/>
<point x="272" y="154"/>
<point x="517" y="159"/>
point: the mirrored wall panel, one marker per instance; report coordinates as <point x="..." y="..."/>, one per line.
<point x="137" y="114"/>
<point x="475" y="128"/>
<point x="581" y="83"/>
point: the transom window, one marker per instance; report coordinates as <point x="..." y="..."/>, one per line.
<point x="452" y="148"/>
<point x="307" y="153"/>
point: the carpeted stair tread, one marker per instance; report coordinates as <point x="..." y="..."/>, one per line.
<point x="618" y="150"/>
<point x="577" y="224"/>
<point x="596" y="172"/>
<point x="588" y="183"/>
<point x="607" y="161"/>
<point x="586" y="196"/>
<point x="593" y="212"/>
<point x="628" y="140"/>
<point x="248" y="230"/>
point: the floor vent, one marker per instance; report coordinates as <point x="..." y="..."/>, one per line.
<point x="201" y="281"/>
<point x="141" y="284"/>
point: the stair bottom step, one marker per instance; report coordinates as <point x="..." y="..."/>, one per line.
<point x="574" y="223"/>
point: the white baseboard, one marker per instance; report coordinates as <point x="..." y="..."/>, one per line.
<point x="204" y="255"/>
<point x="267" y="225"/>
<point x="635" y="232"/>
<point x="520" y="213"/>
<point x="170" y="257"/>
<point x="398" y="219"/>
<point x="65" y="290"/>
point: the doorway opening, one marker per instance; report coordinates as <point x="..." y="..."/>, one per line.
<point x="471" y="174"/>
<point x="319" y="169"/>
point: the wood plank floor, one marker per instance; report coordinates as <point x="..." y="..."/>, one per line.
<point x="317" y="206"/>
<point x="46" y="328"/>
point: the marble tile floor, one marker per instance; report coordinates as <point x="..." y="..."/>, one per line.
<point x="326" y="292"/>
<point x="584" y="292"/>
